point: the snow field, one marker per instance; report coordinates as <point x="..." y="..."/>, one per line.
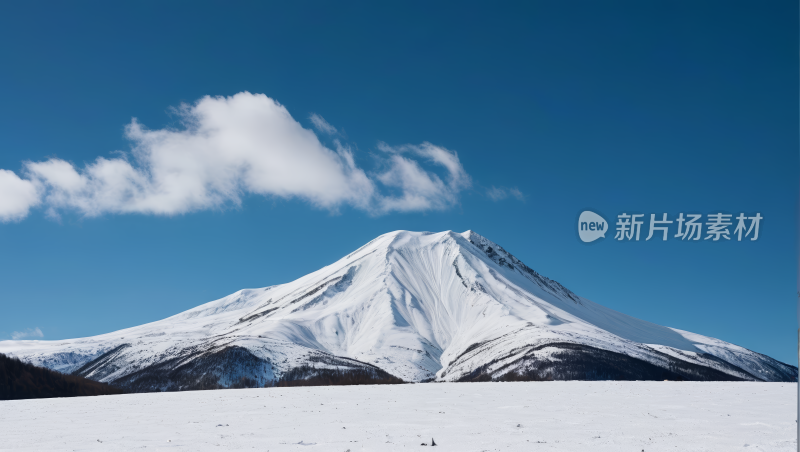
<point x="528" y="416"/>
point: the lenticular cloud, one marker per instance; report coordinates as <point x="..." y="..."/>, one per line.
<point x="227" y="148"/>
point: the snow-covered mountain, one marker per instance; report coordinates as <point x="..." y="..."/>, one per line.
<point x="416" y="305"/>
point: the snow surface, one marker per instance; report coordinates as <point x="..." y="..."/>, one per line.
<point x="530" y="416"/>
<point x="418" y="305"/>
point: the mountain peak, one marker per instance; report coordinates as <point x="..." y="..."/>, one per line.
<point x="420" y="306"/>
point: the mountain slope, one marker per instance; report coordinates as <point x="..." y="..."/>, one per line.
<point x="418" y="306"/>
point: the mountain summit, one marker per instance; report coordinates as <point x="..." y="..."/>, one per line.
<point x="418" y="306"/>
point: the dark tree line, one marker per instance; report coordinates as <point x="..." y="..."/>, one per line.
<point x="310" y="376"/>
<point x="20" y="380"/>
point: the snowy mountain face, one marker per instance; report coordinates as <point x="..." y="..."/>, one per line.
<point x="415" y="305"/>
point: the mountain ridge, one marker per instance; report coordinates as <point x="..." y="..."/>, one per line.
<point x="419" y="306"/>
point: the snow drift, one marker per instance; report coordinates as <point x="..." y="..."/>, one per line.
<point x="418" y="306"/>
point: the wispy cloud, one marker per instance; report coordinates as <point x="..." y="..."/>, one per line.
<point x="30" y="332"/>
<point x="501" y="193"/>
<point x="227" y="148"/>
<point x="419" y="189"/>
<point x="322" y="125"/>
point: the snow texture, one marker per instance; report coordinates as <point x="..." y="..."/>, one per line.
<point x="421" y="306"/>
<point x="527" y="416"/>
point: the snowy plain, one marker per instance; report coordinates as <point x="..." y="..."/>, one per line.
<point x="522" y="416"/>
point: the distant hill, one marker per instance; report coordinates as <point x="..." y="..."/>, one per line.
<point x="20" y="380"/>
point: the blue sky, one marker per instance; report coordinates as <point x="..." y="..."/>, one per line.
<point x="531" y="113"/>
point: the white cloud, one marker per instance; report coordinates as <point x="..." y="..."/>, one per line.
<point x="229" y="147"/>
<point x="420" y="189"/>
<point x="501" y="193"/>
<point x="322" y="125"/>
<point x="17" y="196"/>
<point x="34" y="332"/>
